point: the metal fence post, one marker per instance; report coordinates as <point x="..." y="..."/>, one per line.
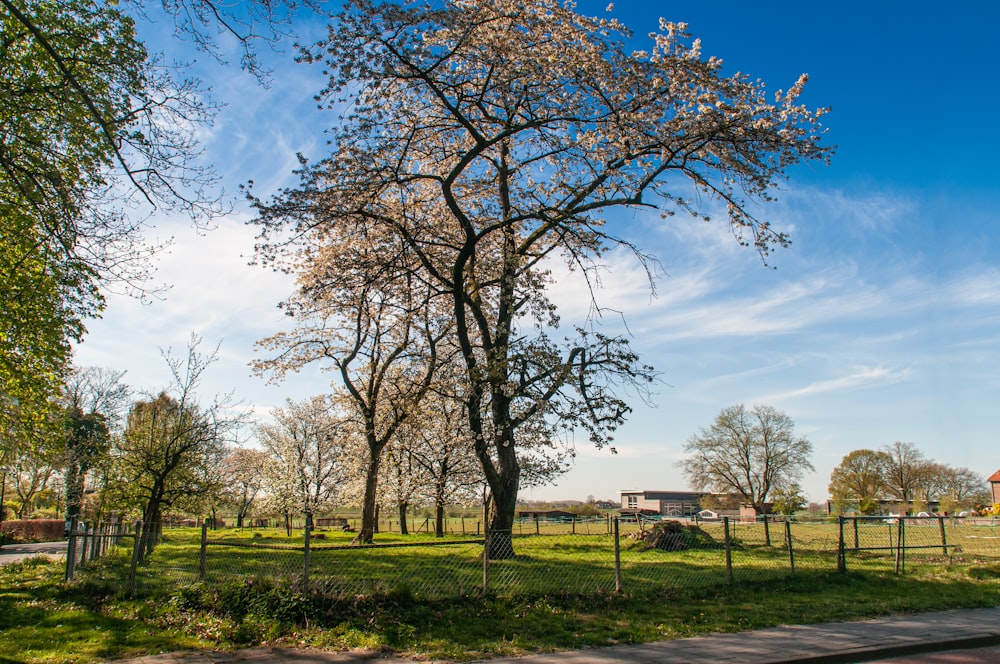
<point x="767" y="531"/>
<point x="901" y="546"/>
<point x="841" y="553"/>
<point x="729" y="551"/>
<point x="136" y="548"/>
<point x="898" y="549"/>
<point x="305" y="558"/>
<point x="486" y="559"/>
<point x="203" y="552"/>
<point x="944" y="540"/>
<point x="618" y="558"/>
<point x="788" y="538"/>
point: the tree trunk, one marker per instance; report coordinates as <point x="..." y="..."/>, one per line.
<point x="403" y="527"/>
<point x="504" y="489"/>
<point x="368" y="512"/>
<point x="151" y="529"/>
<point x="439" y="518"/>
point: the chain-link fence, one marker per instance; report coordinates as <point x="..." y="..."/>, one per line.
<point x="899" y="541"/>
<point x="540" y="557"/>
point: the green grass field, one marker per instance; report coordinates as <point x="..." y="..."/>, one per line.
<point x="558" y="592"/>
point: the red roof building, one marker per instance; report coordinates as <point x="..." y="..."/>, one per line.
<point x="994" y="481"/>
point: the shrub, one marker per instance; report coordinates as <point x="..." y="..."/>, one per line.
<point x="34" y="530"/>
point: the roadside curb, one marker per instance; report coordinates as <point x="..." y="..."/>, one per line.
<point x="889" y="651"/>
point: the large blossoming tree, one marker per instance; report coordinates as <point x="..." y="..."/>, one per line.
<point x="492" y="136"/>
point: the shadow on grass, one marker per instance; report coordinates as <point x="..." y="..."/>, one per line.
<point x="41" y="619"/>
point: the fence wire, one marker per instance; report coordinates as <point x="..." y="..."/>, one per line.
<point x="541" y="558"/>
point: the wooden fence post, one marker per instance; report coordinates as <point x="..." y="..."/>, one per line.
<point x="95" y="541"/>
<point x="83" y="543"/>
<point x="136" y="548"/>
<point x="767" y="531"/>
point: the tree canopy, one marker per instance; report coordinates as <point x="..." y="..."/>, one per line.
<point x="861" y="477"/>
<point x="90" y="124"/>
<point x="901" y="473"/>
<point x="750" y="453"/>
<point x="492" y="137"/>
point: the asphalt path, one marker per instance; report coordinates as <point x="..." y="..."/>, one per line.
<point x="989" y="655"/>
<point x="15" y="553"/>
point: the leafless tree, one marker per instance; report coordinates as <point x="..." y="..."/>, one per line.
<point x="747" y="452"/>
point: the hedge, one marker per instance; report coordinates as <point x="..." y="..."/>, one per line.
<point x="34" y="530"/>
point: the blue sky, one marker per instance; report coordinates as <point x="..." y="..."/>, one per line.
<point x="879" y="323"/>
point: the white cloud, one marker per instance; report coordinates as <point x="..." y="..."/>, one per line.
<point x="858" y="379"/>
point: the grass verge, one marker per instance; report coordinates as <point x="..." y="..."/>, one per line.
<point x="44" y="620"/>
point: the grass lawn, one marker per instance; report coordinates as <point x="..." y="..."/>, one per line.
<point x="556" y="594"/>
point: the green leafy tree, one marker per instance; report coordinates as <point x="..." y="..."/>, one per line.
<point x="861" y="479"/>
<point x="94" y="402"/>
<point x="87" y="442"/>
<point x="492" y="137"/>
<point x="89" y="123"/>
<point x="789" y="500"/>
<point x="168" y="444"/>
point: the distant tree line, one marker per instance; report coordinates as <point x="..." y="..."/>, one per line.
<point x="900" y="473"/>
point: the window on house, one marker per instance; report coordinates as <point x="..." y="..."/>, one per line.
<point x="672" y="509"/>
<point x="632" y="501"/>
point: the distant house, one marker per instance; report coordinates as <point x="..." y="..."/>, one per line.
<point x="994" y="481"/>
<point x="665" y="503"/>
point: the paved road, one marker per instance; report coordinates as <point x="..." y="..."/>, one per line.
<point x="14" y="553"/>
<point x="956" y="637"/>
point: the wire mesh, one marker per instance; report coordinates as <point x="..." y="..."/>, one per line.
<point x="553" y="557"/>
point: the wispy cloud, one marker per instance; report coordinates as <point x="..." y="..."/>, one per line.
<point x="859" y="379"/>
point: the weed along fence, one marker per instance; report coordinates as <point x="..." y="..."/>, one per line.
<point x="631" y="556"/>
<point x="91" y="542"/>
